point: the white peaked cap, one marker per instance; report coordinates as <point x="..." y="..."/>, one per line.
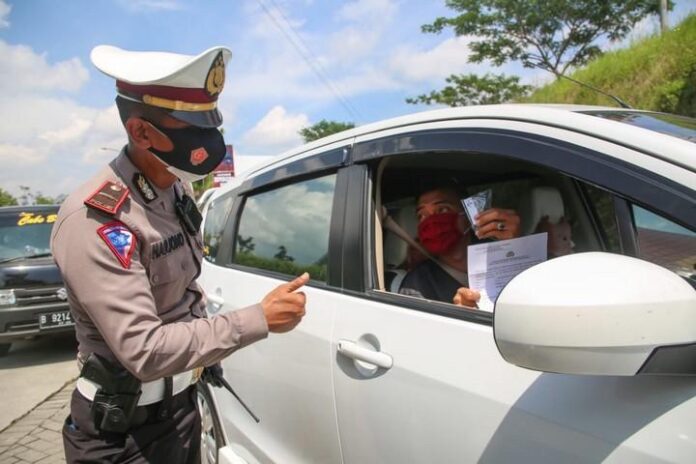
<point x="186" y="85"/>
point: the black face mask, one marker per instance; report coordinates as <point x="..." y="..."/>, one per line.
<point x="196" y="151"/>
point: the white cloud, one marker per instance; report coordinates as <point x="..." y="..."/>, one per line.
<point x="24" y="70"/>
<point x="138" y="6"/>
<point x="4" y="13"/>
<point x="76" y="129"/>
<point x="275" y="132"/>
<point x="48" y="141"/>
<point x="20" y="155"/>
<point x="373" y="11"/>
<point x="448" y="57"/>
<point x="367" y="20"/>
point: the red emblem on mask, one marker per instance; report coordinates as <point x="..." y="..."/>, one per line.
<point x="198" y="156"/>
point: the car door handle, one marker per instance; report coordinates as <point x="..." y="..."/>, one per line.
<point x="215" y="302"/>
<point x="353" y="350"/>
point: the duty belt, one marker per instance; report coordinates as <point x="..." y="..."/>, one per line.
<point x="152" y="392"/>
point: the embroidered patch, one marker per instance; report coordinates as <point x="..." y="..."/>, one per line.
<point x="120" y="240"/>
<point x="108" y="198"/>
<point x="166" y="246"/>
<point x="198" y="156"/>
<point x="144" y="187"/>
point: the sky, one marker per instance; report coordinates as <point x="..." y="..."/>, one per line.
<point x="294" y="63"/>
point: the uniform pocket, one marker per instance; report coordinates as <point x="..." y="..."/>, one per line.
<point x="163" y="274"/>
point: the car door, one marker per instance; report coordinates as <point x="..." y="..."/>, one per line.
<point x="276" y="231"/>
<point x="422" y="381"/>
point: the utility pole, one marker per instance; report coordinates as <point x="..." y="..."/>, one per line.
<point x="663" y="16"/>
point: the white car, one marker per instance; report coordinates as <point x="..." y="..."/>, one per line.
<point x="589" y="357"/>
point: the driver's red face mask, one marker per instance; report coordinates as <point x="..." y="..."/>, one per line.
<point x="439" y="233"/>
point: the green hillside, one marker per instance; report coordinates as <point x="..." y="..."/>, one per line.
<point x="657" y="73"/>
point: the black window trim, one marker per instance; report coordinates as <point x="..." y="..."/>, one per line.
<point x="652" y="189"/>
<point x="221" y="249"/>
<point x="295" y="170"/>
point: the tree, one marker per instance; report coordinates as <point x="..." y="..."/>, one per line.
<point x="324" y="128"/>
<point x="246" y="245"/>
<point x="282" y="254"/>
<point x="28" y="197"/>
<point x="471" y="89"/>
<point x="553" y="35"/>
<point x="6" y="198"/>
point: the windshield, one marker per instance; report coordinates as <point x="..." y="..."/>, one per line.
<point x="670" y="124"/>
<point x="25" y="233"/>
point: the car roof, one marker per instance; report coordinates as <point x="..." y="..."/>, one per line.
<point x="27" y="208"/>
<point x="558" y="115"/>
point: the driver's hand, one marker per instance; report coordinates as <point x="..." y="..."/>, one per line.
<point x="466" y="297"/>
<point x="497" y="223"/>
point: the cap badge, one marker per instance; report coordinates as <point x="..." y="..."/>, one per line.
<point x="144" y="187"/>
<point x="215" y="80"/>
<point x="198" y="156"/>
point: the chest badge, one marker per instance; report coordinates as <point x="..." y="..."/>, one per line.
<point x="144" y="187"/>
<point x="121" y="241"/>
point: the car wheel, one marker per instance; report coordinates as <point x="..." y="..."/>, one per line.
<point x="5" y="348"/>
<point x="211" y="431"/>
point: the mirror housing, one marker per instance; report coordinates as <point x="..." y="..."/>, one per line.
<point x="599" y="314"/>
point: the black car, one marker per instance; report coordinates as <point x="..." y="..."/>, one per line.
<point x="33" y="300"/>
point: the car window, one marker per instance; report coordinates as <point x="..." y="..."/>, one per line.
<point x="663" y="242"/>
<point x="545" y="200"/>
<point x="25" y="233"/>
<point x="286" y="230"/>
<point x="215" y="220"/>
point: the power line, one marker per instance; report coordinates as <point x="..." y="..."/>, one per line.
<point x="306" y="54"/>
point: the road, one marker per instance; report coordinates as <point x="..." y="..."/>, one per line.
<point x="32" y="371"/>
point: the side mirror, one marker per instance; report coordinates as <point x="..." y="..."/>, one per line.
<point x="598" y="314"/>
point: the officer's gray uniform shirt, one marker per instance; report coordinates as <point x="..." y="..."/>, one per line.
<point x="144" y="310"/>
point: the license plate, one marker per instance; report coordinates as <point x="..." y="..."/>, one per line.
<point x="56" y="319"/>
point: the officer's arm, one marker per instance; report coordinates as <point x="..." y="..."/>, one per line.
<point x="117" y="299"/>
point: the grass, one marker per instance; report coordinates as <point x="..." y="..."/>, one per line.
<point x="657" y="73"/>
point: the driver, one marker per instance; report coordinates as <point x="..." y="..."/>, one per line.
<point x="445" y="232"/>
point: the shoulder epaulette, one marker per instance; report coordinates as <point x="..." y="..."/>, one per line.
<point x="108" y="198"/>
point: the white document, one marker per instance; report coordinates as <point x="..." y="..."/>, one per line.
<point x="492" y="265"/>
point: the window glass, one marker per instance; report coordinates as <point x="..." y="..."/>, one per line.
<point x="287" y="230"/>
<point x="26" y="233"/>
<point x="663" y="242"/>
<point x="214" y="226"/>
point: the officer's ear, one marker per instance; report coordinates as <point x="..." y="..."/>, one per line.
<point x="137" y="130"/>
<point x="144" y="135"/>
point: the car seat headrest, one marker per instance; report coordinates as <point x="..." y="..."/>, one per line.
<point x="539" y="202"/>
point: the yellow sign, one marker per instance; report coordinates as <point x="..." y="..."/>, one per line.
<point x="26" y="219"/>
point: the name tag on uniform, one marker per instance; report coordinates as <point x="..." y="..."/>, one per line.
<point x="166" y="246"/>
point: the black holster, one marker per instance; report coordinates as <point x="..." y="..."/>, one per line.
<point x="117" y="397"/>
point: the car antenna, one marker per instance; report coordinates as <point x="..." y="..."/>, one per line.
<point x="621" y="103"/>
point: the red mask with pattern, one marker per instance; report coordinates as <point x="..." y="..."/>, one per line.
<point x="439" y="233"/>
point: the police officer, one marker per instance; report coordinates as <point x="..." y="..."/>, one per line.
<point x="129" y="248"/>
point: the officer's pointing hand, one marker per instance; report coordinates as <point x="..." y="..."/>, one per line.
<point x="284" y="306"/>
